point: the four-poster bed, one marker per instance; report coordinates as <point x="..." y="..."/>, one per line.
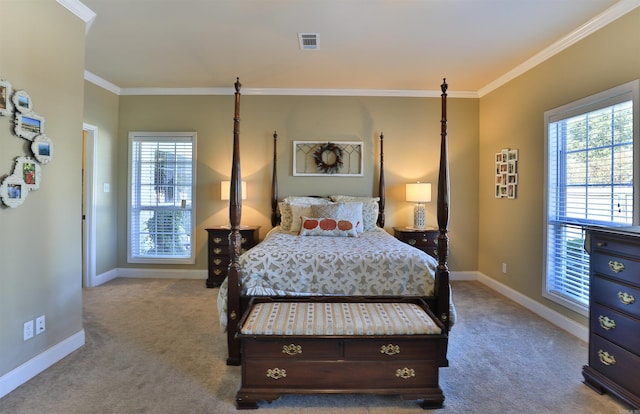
<point x="366" y="279"/>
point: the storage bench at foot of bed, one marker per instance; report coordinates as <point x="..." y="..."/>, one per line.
<point x="340" y="346"/>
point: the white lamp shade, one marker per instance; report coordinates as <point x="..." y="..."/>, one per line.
<point x="419" y="192"/>
<point x="225" y="190"/>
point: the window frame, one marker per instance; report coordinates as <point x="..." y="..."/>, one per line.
<point x="169" y="137"/>
<point x="618" y="94"/>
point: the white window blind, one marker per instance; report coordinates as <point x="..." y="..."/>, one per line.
<point x="589" y="181"/>
<point x="161" y="197"/>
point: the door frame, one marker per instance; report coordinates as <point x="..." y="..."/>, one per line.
<point x="89" y="210"/>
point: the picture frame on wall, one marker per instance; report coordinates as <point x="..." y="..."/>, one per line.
<point x="43" y="149"/>
<point x="328" y="158"/>
<point x="13" y="191"/>
<point x="29" y="170"/>
<point x="29" y="125"/>
<point x="6" y="107"/>
<point x="22" y="101"/>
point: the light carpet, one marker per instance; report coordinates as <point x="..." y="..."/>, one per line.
<point x="154" y="346"/>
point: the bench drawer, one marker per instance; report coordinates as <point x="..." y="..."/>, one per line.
<point x="309" y="375"/>
<point x="391" y="348"/>
<point x="290" y="348"/>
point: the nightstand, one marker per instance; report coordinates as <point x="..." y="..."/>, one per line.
<point x="424" y="239"/>
<point x="218" y="247"/>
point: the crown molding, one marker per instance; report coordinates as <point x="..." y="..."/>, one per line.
<point x="79" y="9"/>
<point x="105" y="84"/>
<point x="612" y="13"/>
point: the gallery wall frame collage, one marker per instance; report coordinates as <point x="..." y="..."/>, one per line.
<point x="30" y="126"/>
<point x="506" y="173"/>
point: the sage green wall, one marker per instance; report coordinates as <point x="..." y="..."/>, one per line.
<point x="101" y="111"/>
<point x="412" y="135"/>
<point x="42" y="52"/>
<point x="511" y="231"/>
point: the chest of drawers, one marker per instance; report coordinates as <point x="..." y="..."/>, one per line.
<point x="218" y="250"/>
<point x="614" y="312"/>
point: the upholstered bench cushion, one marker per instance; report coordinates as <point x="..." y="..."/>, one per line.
<point x="338" y="318"/>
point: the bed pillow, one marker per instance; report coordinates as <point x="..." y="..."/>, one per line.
<point x="327" y="226"/>
<point x="351" y="211"/>
<point x="370" y="209"/>
<point x="286" y="213"/>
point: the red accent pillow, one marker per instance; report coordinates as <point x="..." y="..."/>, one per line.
<point x="327" y="226"/>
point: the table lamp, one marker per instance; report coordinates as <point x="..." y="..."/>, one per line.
<point x="419" y="193"/>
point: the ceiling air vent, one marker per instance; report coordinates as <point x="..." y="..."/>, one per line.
<point x="309" y="41"/>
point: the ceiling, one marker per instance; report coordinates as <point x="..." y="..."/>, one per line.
<point x="368" y="45"/>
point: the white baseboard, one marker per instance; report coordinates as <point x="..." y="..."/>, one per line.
<point x="574" y="328"/>
<point x="105" y="277"/>
<point x="15" y="378"/>
<point x="163" y="273"/>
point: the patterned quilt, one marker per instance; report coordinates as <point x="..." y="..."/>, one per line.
<point x="373" y="264"/>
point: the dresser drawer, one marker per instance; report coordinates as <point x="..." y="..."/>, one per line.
<point x="618" y="296"/>
<point x="390" y="349"/>
<point x="291" y="348"/>
<point x="620" y="246"/>
<point x="295" y="374"/>
<point x="616" y="327"/>
<point x="614" y="362"/>
<point x="617" y="267"/>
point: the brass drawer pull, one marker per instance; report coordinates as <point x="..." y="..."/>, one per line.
<point x="606" y="358"/>
<point x="217" y="272"/>
<point x="243" y="240"/>
<point x="411" y="241"/>
<point x="292" y="349"/>
<point x="217" y="250"/>
<point x="217" y="262"/>
<point x="606" y="323"/>
<point x="626" y="298"/>
<point x="616" y="267"/>
<point x="405" y="373"/>
<point x="217" y="240"/>
<point x="601" y="244"/>
<point x="390" y="349"/>
<point x="276" y="373"/>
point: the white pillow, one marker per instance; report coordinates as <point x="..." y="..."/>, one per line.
<point x="351" y="211"/>
<point x="286" y="214"/>
<point x="370" y="209"/>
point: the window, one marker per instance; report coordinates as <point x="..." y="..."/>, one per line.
<point x="590" y="174"/>
<point x="161" y="199"/>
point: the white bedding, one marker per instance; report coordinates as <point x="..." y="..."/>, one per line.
<point x="373" y="264"/>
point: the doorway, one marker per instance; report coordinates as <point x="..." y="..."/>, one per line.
<point x="89" y="139"/>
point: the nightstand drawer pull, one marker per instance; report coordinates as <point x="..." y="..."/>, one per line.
<point x="626" y="298"/>
<point x="606" y="323"/>
<point x="606" y="358"/>
<point x="243" y="240"/>
<point x="616" y="267"/>
<point x="276" y="373"/>
<point x="405" y="373"/>
<point x="292" y="349"/>
<point x="217" y="250"/>
<point x="217" y="262"/>
<point x="217" y="272"/>
<point x="390" y="349"/>
<point x="217" y="240"/>
<point x="411" y="241"/>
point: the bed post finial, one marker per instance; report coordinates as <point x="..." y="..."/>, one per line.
<point x="275" y="217"/>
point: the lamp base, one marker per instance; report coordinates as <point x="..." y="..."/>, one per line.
<point x="419" y="217"/>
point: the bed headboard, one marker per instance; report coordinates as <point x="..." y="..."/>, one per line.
<point x="275" y="213"/>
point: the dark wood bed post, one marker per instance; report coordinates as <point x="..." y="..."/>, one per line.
<point x="381" y="189"/>
<point x="275" y="217"/>
<point x="235" y="239"/>
<point x="442" y="278"/>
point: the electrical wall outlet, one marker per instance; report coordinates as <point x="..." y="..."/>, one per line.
<point x="40" y="325"/>
<point x="28" y="330"/>
<point x="504" y="268"/>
